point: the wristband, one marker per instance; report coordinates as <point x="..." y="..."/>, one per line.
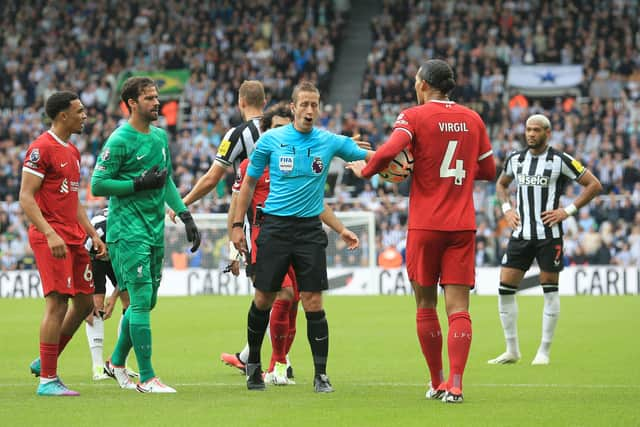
<point x="237" y="224"/>
<point x="571" y="209"/>
<point x="506" y="207"/>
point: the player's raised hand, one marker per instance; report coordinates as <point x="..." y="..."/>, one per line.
<point x="151" y="179"/>
<point x="193" y="234"/>
<point x="350" y="238"/>
<point x="356" y="167"/>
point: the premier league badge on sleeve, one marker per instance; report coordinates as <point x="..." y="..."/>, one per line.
<point x="317" y="166"/>
<point x="35" y="155"/>
<point x="105" y="155"/>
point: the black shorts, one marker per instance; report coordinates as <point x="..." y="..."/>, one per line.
<point x="102" y="270"/>
<point x="548" y="253"/>
<point x="285" y="241"/>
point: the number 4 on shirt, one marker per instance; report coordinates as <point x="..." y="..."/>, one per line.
<point x="458" y="173"/>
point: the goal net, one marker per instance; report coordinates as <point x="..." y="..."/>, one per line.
<point x="213" y="252"/>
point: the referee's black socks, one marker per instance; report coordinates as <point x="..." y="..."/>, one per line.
<point x="256" y="328"/>
<point x="318" y="335"/>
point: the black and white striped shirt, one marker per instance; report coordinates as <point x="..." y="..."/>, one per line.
<point x="238" y="143"/>
<point x="541" y="180"/>
<point x="99" y="222"/>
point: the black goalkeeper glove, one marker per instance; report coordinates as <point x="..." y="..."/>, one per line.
<point x="193" y="235"/>
<point x="150" y="179"/>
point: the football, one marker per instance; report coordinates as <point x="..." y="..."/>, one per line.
<point x="399" y="169"/>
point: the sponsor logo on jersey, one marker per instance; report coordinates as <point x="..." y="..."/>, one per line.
<point x="286" y="163"/>
<point x="224" y="147"/>
<point x="105" y="155"/>
<point x="34" y="157"/>
<point x="538" y="180"/>
<point x="317" y="166"/>
<point x="141" y="157"/>
<point x="64" y="164"/>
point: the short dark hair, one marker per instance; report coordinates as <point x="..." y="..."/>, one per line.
<point x="253" y="92"/>
<point x="58" y="102"/>
<point x="133" y="88"/>
<point x="438" y="74"/>
<point x="303" y="86"/>
<point x="279" y="110"/>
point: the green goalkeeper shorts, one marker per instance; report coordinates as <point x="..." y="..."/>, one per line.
<point x="136" y="263"/>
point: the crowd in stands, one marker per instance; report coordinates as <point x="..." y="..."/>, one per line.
<point x="85" y="46"/>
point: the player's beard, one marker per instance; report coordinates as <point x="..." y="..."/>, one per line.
<point x="151" y="116"/>
<point x="538" y="143"/>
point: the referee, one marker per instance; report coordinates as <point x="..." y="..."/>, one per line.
<point x="298" y="156"/>
<point x="541" y="174"/>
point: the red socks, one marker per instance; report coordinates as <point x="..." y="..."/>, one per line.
<point x="48" y="360"/>
<point x="279" y="330"/>
<point x="293" y="313"/>
<point x="459" y="343"/>
<point x="64" y="340"/>
<point x="430" y="337"/>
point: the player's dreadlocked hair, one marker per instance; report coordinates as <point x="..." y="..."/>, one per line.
<point x="281" y="110"/>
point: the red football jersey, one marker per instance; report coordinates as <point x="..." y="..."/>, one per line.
<point x="58" y="164"/>
<point x="259" y="197"/>
<point x="448" y="142"/>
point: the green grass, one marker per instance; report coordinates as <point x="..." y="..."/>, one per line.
<point x="375" y="366"/>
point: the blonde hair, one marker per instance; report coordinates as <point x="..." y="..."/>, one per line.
<point x="253" y="93"/>
<point x="540" y="118"/>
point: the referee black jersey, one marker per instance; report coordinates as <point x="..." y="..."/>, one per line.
<point x="238" y="143"/>
<point x="541" y="180"/>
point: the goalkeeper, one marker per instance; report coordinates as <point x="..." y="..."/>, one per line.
<point x="132" y="170"/>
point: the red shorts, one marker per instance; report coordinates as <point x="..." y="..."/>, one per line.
<point x="68" y="276"/>
<point x="291" y="282"/>
<point x="447" y="257"/>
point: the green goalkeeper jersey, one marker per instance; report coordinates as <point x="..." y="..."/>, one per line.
<point x="135" y="216"/>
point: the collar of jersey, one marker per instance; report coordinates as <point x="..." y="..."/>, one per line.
<point x="57" y="138"/>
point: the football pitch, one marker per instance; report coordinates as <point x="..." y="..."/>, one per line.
<point x="375" y="366"/>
